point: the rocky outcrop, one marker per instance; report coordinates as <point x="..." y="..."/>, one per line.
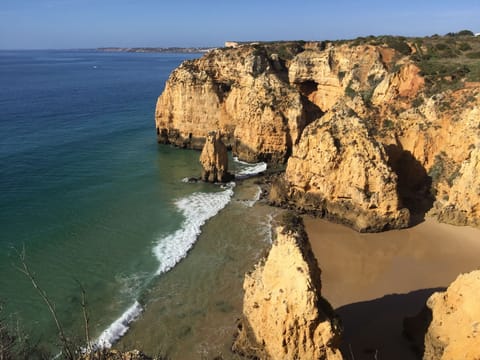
<point x="463" y="205"/>
<point x="242" y="92"/>
<point x="214" y="159"/>
<point x="453" y="321"/>
<point x="324" y="75"/>
<point x="267" y="99"/>
<point x="284" y="314"/>
<point x="341" y="171"/>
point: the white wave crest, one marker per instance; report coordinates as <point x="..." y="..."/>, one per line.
<point x="119" y="327"/>
<point x="197" y="209"/>
<point x="268" y="227"/>
<point x="256" y="197"/>
<point x="244" y="169"/>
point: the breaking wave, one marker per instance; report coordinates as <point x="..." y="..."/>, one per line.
<point x="170" y="249"/>
<point x="244" y="169"/>
<point x="196" y="209"/>
<point x="119" y="327"/>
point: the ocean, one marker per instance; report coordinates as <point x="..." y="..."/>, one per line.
<point x="92" y="198"/>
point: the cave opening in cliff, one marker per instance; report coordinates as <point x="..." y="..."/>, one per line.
<point x="307" y="87"/>
<point x="414" y="185"/>
<point x="222" y="90"/>
<point x="312" y="111"/>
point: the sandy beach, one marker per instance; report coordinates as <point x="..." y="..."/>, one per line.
<point x="375" y="280"/>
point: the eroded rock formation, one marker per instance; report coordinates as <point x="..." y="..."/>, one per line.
<point x="463" y="204"/>
<point x="243" y="92"/>
<point x="338" y="168"/>
<point x="214" y="159"/>
<point x="263" y="97"/>
<point x="284" y="314"/>
<point x="452" y="321"/>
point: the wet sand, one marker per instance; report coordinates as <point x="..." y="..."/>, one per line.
<point x="375" y="280"/>
<point x="191" y="311"/>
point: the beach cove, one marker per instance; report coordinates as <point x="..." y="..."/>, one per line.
<point x="373" y="281"/>
<point x="376" y="280"/>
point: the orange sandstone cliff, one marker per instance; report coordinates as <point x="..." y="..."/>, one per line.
<point x="374" y="134"/>
<point x="284" y="314"/>
<point x="449" y="326"/>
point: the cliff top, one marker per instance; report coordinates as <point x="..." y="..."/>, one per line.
<point x="443" y="60"/>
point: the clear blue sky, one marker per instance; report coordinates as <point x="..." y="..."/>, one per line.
<point x="33" y="24"/>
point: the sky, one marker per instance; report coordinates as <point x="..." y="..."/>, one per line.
<point x="60" y="24"/>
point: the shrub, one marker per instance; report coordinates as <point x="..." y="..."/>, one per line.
<point x="436" y="171"/>
<point x="399" y="44"/>
<point x="292" y="222"/>
<point x="465" y="33"/>
<point x="388" y="124"/>
<point x="367" y="96"/>
<point x="474" y="55"/>
<point x="453" y="176"/>
<point x="417" y="101"/>
<point x="460" y="33"/>
<point x="464" y="47"/>
<point x="441" y="46"/>
<point x="350" y="92"/>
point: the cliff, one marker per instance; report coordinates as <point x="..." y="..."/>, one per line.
<point x="396" y="118"/>
<point x="452" y="321"/>
<point x="214" y="159"/>
<point x="339" y="169"/>
<point x="242" y="93"/>
<point x="462" y="206"/>
<point x="284" y="314"/>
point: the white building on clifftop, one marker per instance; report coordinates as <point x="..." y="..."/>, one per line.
<point x="231" y="44"/>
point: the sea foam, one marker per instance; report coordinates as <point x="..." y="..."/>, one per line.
<point x="196" y="209"/>
<point x="256" y="197"/>
<point x="244" y="169"/>
<point x="119" y="327"/>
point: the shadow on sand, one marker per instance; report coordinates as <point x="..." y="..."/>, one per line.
<point x="374" y="329"/>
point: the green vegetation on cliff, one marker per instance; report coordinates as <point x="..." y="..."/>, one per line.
<point x="446" y="61"/>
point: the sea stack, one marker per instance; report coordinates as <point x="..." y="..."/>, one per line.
<point x="214" y="159"/>
<point x="374" y="136"/>
<point x="284" y="314"/>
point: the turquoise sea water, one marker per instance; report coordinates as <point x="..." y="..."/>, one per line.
<point x="85" y="188"/>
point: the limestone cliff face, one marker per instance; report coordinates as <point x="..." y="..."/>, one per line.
<point x="454" y="328"/>
<point x="214" y="159"/>
<point x="262" y="100"/>
<point x="285" y="316"/>
<point x="463" y="204"/>
<point x="340" y="169"/>
<point x="241" y="92"/>
<point x="324" y="75"/>
<point x="434" y="141"/>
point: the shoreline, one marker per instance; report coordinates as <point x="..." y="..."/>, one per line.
<point x="378" y="263"/>
<point x="373" y="281"/>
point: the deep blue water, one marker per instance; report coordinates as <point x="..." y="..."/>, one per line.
<point x="84" y="187"/>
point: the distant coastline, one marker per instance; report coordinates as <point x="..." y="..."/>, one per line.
<point x="181" y="50"/>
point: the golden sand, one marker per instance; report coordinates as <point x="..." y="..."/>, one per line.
<point x="375" y="280"/>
